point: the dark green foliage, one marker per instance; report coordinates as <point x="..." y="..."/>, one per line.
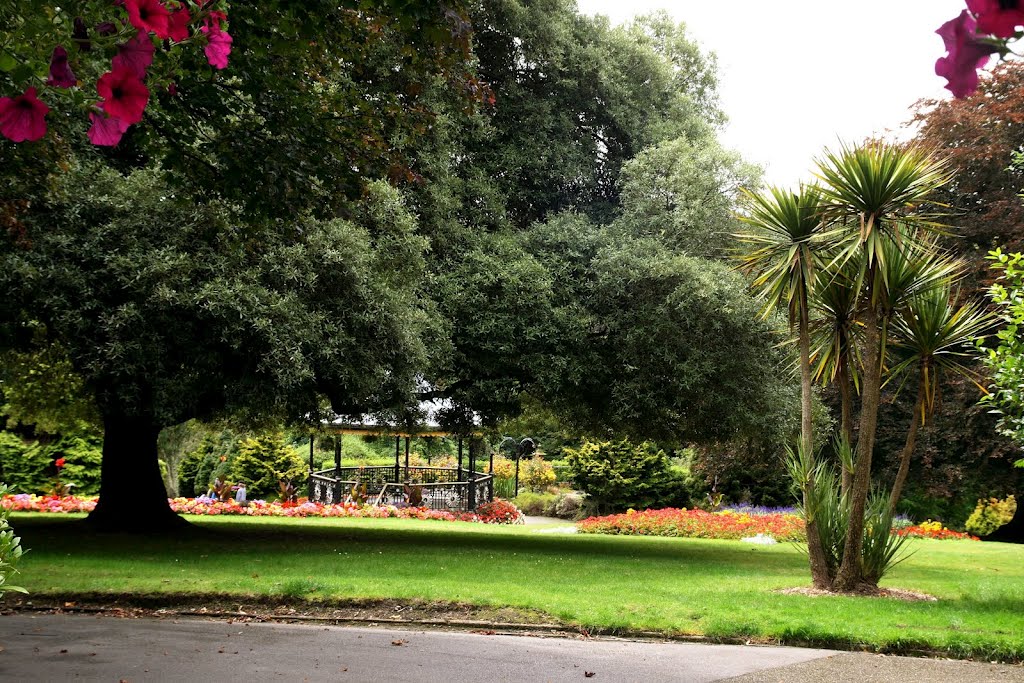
<point x="23" y="466"/>
<point x="960" y="456"/>
<point x="620" y="475"/>
<point x="263" y="462"/>
<point x="29" y="466"/>
<point x="743" y="471"/>
<point x="656" y="344"/>
<point x="212" y="459"/>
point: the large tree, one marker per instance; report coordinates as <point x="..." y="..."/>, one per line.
<point x="170" y="309"/>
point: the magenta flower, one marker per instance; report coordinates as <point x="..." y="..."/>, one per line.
<point x="997" y="17"/>
<point x="23" y="117"/>
<point x="135" y="55"/>
<point x="219" y="47"/>
<point x="105" y="131"/>
<point x="178" y="26"/>
<point x="965" y="55"/>
<point x="61" y="75"/>
<point x="149" y="16"/>
<point x="124" y="95"/>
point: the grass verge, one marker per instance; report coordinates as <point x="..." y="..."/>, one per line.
<point x="718" y="589"/>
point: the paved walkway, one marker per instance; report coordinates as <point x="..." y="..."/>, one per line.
<point x="50" y="647"/>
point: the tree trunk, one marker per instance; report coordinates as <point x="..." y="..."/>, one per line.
<point x="132" y="494"/>
<point x="820" y="574"/>
<point x="851" y="574"/>
<point x="908" y="448"/>
<point x="846" y="397"/>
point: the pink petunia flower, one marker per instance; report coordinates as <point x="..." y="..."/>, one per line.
<point x="149" y="16"/>
<point x="998" y="17"/>
<point x="965" y="55"/>
<point x="105" y="131"/>
<point x="136" y="55"/>
<point x="124" y="95"/>
<point x="219" y="47"/>
<point x="61" y="75"/>
<point x="178" y="25"/>
<point x="23" y="117"/>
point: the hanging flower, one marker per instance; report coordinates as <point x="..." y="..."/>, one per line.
<point x="178" y="26"/>
<point x="124" y="95"/>
<point x="998" y="17"/>
<point x="105" y="131"/>
<point x="136" y="55"/>
<point x="219" y="47"/>
<point x="61" y="75"/>
<point x="966" y="54"/>
<point x="149" y="16"/>
<point x="23" y="117"/>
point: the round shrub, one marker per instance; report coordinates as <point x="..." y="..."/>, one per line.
<point x="618" y="475"/>
<point x="264" y="461"/>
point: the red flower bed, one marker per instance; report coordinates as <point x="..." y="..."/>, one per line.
<point x="696" y="524"/>
<point x="498" y="512"/>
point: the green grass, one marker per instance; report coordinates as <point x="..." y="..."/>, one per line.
<point x="722" y="589"/>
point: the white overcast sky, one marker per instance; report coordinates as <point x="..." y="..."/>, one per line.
<point x="799" y="75"/>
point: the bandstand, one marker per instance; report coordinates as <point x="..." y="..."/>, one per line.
<point x="456" y="489"/>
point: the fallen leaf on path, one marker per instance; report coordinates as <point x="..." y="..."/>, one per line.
<point x="589" y="674"/>
<point x="399" y="642"/>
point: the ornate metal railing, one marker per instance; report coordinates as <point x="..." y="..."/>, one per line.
<point x="439" y="487"/>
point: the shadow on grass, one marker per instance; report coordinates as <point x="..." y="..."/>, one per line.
<point x="264" y="536"/>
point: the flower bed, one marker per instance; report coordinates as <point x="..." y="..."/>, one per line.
<point x="726" y="524"/>
<point x="934" y="530"/>
<point x="28" y="502"/>
<point x="498" y="512"/>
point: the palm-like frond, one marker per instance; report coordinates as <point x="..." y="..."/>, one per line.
<point x="835" y="304"/>
<point x="783" y="248"/>
<point x="877" y="184"/>
<point x="932" y="331"/>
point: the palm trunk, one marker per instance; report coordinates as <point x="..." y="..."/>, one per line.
<point x="908" y="448"/>
<point x="132" y="493"/>
<point x="846" y="397"/>
<point x="820" y="574"/>
<point x="851" y="574"/>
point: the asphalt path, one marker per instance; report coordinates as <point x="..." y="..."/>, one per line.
<point x="73" y="647"/>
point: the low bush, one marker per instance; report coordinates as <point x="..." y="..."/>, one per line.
<point x="568" y="505"/>
<point x="534" y="504"/>
<point x="264" y="461"/>
<point x="620" y="475"/>
<point x="991" y="514"/>
<point x="536" y="474"/>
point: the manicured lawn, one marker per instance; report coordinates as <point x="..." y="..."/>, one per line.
<point x="715" y="588"/>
